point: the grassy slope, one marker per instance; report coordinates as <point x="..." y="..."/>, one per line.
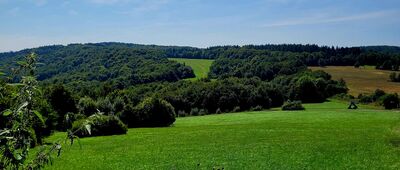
<point x="201" y="67"/>
<point x="362" y="80"/>
<point x="325" y="136"/>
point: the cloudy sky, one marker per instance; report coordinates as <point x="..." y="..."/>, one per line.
<point x="200" y="23"/>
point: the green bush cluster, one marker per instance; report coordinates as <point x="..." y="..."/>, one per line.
<point x="151" y="112"/>
<point x="389" y="101"/>
<point x="99" y="125"/>
<point x="293" y="105"/>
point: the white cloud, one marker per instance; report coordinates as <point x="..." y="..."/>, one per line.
<point x="321" y="18"/>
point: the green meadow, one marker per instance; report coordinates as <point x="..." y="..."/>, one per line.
<point x="324" y="136"/>
<point x="201" y="67"/>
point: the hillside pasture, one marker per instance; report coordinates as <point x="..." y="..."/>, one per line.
<point x="201" y="67"/>
<point x="363" y="79"/>
<point x="324" y="136"/>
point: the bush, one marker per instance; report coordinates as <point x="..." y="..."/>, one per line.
<point x="306" y="91"/>
<point x="87" y="106"/>
<point x="365" y="98"/>
<point x="377" y="94"/>
<point x="294" y="105"/>
<point x="105" y="106"/>
<point x="100" y="125"/>
<point x="151" y="112"/>
<point x="390" y="101"/>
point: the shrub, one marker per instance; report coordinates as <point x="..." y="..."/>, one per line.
<point x="152" y="112"/>
<point x="365" y="98"/>
<point x="306" y="91"/>
<point x="100" y="125"/>
<point x="87" y="106"/>
<point x="293" y="105"/>
<point x="377" y="94"/>
<point x="390" y="101"/>
<point x="105" y="105"/>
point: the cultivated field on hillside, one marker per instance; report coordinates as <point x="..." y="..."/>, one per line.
<point x="324" y="136"/>
<point x="201" y="67"/>
<point x="363" y="79"/>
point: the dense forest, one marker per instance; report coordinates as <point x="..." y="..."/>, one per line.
<point x="117" y="85"/>
<point x="84" y="66"/>
<point x="382" y="57"/>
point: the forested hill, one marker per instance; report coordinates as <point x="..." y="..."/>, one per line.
<point x="118" y="64"/>
<point x="125" y="64"/>
<point x="383" y="49"/>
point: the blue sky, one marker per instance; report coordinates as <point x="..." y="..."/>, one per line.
<point x="200" y="23"/>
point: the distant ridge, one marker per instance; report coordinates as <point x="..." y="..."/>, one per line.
<point x="382" y="48"/>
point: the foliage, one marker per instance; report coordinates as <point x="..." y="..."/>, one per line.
<point x="30" y="118"/>
<point x="293" y="105"/>
<point x="99" y="125"/>
<point x="390" y="101"/>
<point x="17" y="139"/>
<point x="151" y="112"/>
<point x="62" y="101"/>
<point x="87" y="106"/>
<point x="85" y="67"/>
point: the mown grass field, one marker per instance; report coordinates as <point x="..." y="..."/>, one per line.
<point x="201" y="67"/>
<point x="325" y="136"/>
<point x="362" y="80"/>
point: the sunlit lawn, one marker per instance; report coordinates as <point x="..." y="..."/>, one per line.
<point x="325" y="136"/>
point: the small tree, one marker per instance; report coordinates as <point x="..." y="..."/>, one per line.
<point x="390" y="101"/>
<point x="62" y="102"/>
<point x="155" y="112"/>
<point x="16" y="140"/>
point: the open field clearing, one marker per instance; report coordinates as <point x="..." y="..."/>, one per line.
<point x="362" y="80"/>
<point x="325" y="136"/>
<point x="201" y="67"/>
